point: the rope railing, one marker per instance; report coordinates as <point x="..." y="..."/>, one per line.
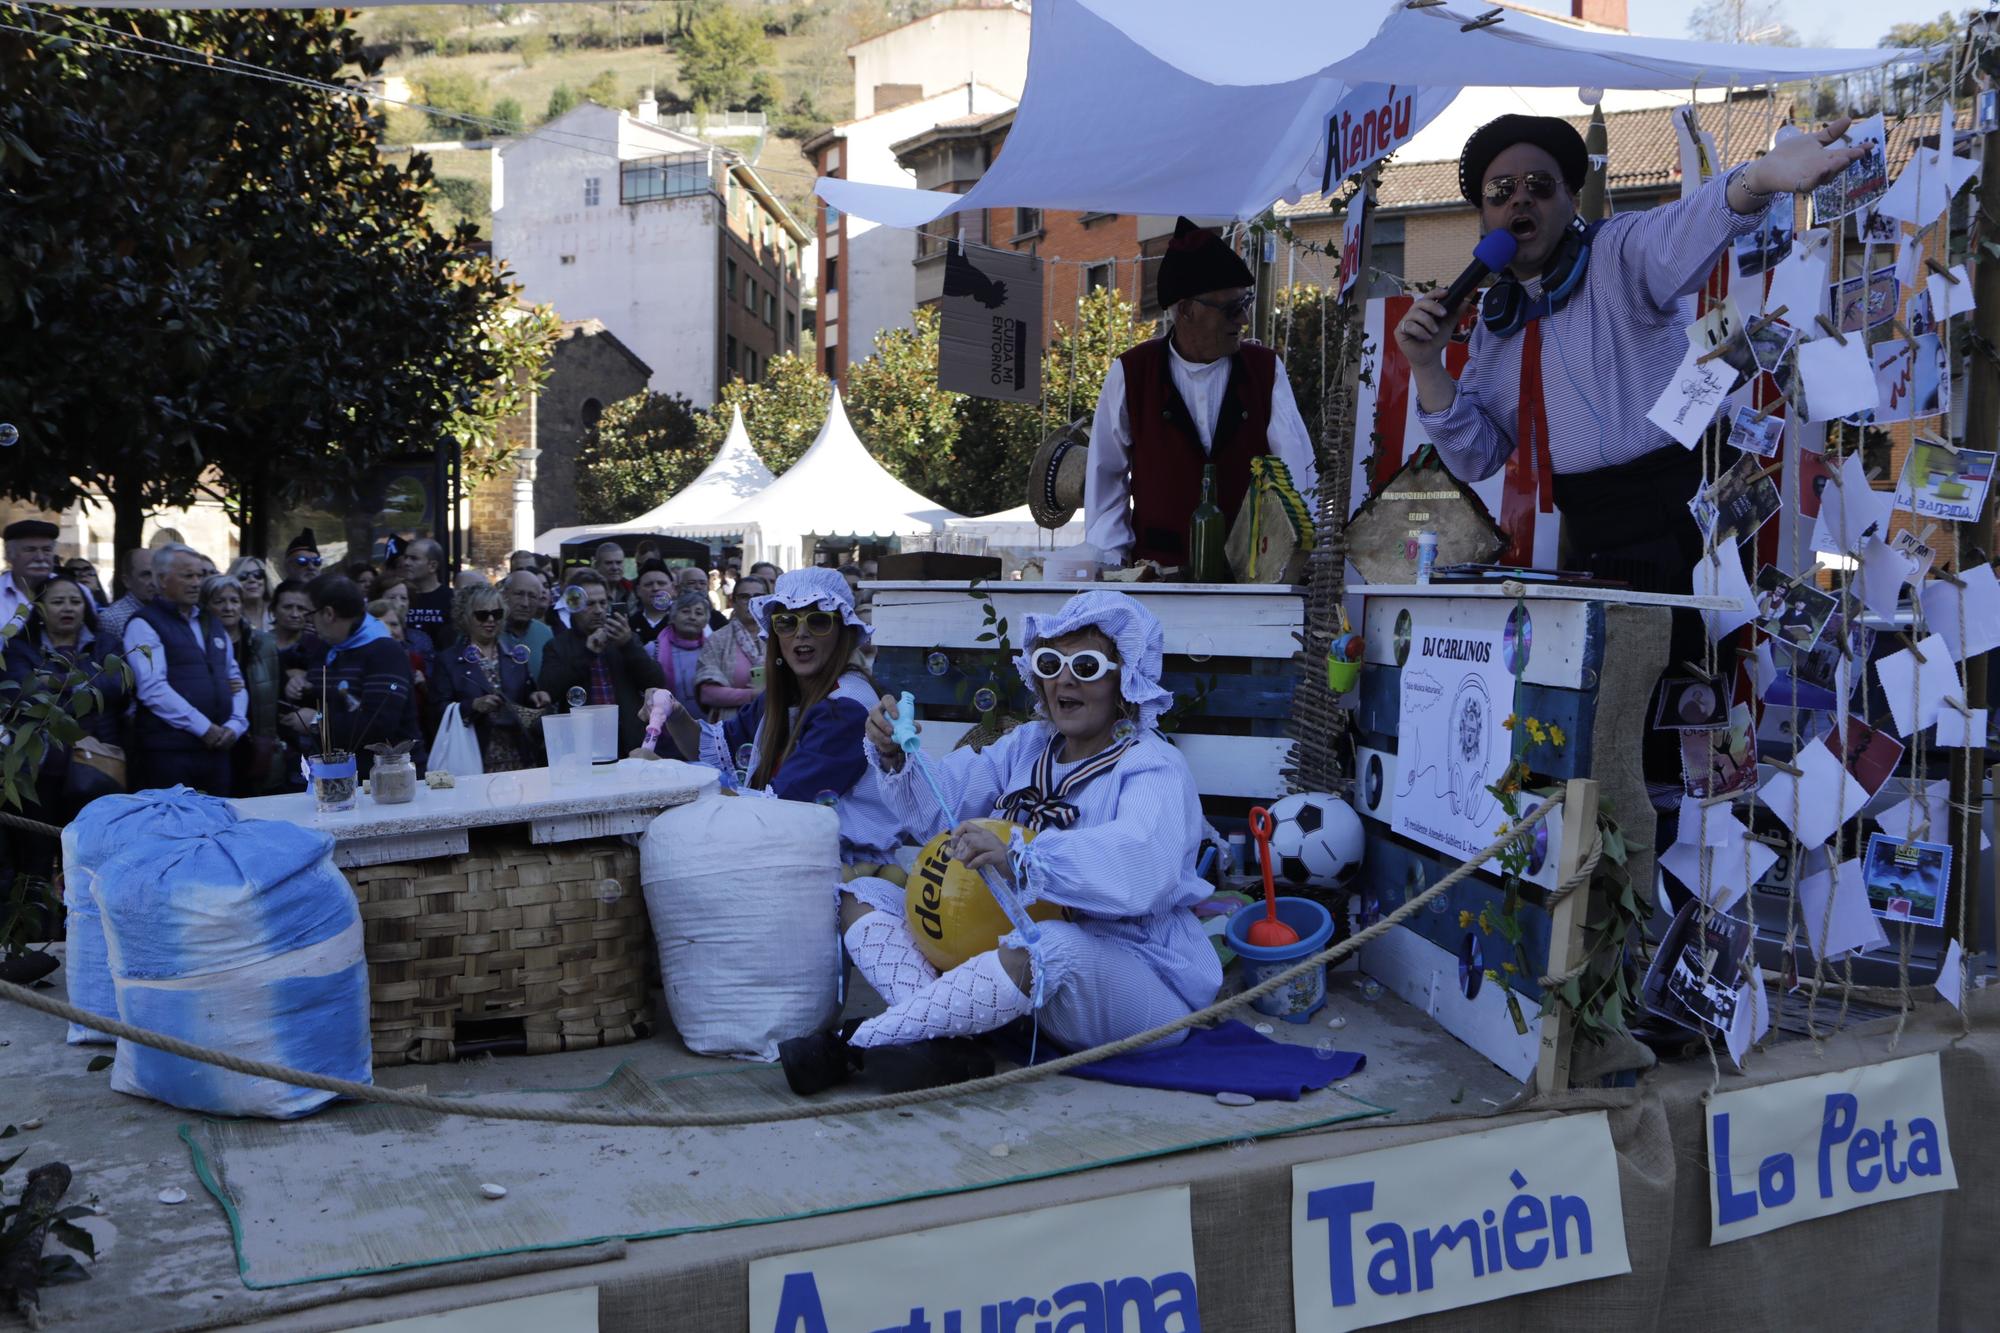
<point x="420" y="1101"/>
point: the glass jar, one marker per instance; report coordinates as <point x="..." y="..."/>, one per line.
<point x="393" y="780"/>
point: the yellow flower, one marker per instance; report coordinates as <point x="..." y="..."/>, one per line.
<point x="1464" y="919"/>
<point x="1508" y="722"/>
<point x="1491" y="975"/>
<point x="1508" y="967"/>
<point x="1556" y="736"/>
<point x="1485" y="923"/>
<point x="1535" y="731"/>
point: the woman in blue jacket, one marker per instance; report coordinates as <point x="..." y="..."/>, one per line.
<point x="490" y="683"/>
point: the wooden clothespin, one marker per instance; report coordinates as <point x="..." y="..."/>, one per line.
<point x="1831" y="331"/>
<point x="1486" y="20"/>
<point x="1770" y="317"/>
<point x="1811" y="572"/>
<point x="1722" y="799"/>
<point x="1422" y="4"/>
<point x="1712" y="353"/>
<point x="1941" y="270"/>
<point x="1873" y="474"/>
<point x="1766" y="838"/>
<point x="1897" y="325"/>
<point x="1772" y="469"/>
<point x="1949" y="577"/>
<point x="1784" y="767"/>
<point x="1957" y="706"/>
<point x="1695" y="670"/>
<point x="1915" y="651"/>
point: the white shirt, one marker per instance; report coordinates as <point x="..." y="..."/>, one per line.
<point x="1107" y="487"/>
<point x="14" y="607"/>
<point x="148" y="660"/>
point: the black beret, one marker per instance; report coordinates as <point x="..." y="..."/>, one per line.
<point x="303" y="542"/>
<point x="1558" y="138"/>
<point x="30" y="527"/>
<point x="1197" y="261"/>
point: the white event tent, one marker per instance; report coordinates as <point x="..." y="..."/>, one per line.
<point x="836" y="487"/>
<point x="1016" y="527"/>
<point x="733" y="476"/>
<point x="1162" y="107"/>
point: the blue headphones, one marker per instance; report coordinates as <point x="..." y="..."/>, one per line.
<point x="1505" y="310"/>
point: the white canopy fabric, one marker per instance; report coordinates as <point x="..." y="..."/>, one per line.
<point x="1153" y="106"/>
<point x="836" y="487"/>
<point x="1017" y="527"/>
<point x="733" y="476"/>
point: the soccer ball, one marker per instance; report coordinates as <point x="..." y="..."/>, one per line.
<point x="1315" y="839"/>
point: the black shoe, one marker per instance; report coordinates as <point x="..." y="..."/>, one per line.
<point x="818" y="1061"/>
<point x="926" y="1064"/>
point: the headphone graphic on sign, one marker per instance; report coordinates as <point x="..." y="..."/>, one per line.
<point x="1506" y="308"/>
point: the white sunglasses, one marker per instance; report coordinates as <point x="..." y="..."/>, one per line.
<point x="1089" y="664"/>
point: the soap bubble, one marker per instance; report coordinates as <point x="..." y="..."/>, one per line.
<point x="347" y="697"/>
<point x="661" y="600"/>
<point x="1324" y="1049"/>
<point x="504" y="790"/>
<point x="1200" y="648"/>
<point x="9" y="437"/>
<point x="573" y="598"/>
<point x="1371" y="989"/>
<point x="937" y="664"/>
<point x="1589" y="96"/>
<point x="1242" y="1145"/>
<point x="471" y="655"/>
<point x="609" y="890"/>
<point x="1439" y="905"/>
<point x="985" y="701"/>
<point x="829" y="799"/>
<point x="746" y="755"/>
<point x="1124" y="730"/>
<point x="578" y="696"/>
<point x="519" y="652"/>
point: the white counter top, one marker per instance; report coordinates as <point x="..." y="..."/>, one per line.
<point x="604" y="800"/>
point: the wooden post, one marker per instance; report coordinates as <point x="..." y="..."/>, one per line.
<point x="1982" y="427"/>
<point x="1566" y="932"/>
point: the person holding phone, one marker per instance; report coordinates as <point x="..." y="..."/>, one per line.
<point x="599" y="654"/>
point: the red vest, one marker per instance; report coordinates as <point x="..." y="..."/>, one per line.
<point x="1166" y="448"/>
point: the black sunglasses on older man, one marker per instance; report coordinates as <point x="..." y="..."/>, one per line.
<point x="1234" y="308"/>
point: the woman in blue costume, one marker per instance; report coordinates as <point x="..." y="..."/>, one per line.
<point x="804" y="732"/>
<point x="1117" y="823"/>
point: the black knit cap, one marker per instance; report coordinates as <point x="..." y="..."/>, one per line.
<point x="1557" y="138"/>
<point x="1197" y="261"/>
<point x="303" y="542"/>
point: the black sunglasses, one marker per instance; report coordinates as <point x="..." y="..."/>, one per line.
<point x="488" y="614"/>
<point x="1233" y="308"/>
<point x="1500" y="189"/>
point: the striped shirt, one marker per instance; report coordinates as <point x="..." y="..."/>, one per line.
<point x="1606" y="354"/>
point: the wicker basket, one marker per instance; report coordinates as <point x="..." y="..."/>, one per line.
<point x="511" y="943"/>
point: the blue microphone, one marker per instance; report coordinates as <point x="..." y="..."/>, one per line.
<point x="1494" y="252"/>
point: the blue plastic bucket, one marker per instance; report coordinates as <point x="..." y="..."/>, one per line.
<point x="1303" y="997"/>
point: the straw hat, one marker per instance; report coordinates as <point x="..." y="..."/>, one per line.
<point x="1055" y="477"/>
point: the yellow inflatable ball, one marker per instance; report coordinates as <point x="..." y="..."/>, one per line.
<point x="950" y="910"/>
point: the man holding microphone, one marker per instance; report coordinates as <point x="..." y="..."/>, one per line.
<point x="1582" y="332"/>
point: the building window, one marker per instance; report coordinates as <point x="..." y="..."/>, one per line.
<point x="1385" y="256"/>
<point x="1099" y="276"/>
<point x="832" y="361"/>
<point x="567" y="259"/>
<point x="750" y="295"/>
<point x="833" y="274"/>
<point x="590" y="191"/>
<point x="770" y="310"/>
<point x="791" y="330"/>
<point x="593" y="410"/>
<point x="668" y="176"/>
<point x="729" y="276"/>
<point x="729" y="354"/>
<point x="1027" y="222"/>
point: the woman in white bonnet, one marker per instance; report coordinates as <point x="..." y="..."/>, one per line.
<point x="1117" y="823"/>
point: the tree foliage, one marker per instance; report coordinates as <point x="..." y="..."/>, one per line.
<point x="721" y="57"/>
<point x="647" y="447"/>
<point x="561" y="98"/>
<point x="782" y="412"/>
<point x="454" y="101"/>
<point x="256" y="294"/>
<point x="604" y="89"/>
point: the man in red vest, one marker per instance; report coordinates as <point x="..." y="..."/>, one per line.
<point x="1199" y="395"/>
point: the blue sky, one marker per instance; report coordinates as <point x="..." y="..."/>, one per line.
<point x="1819" y="22"/>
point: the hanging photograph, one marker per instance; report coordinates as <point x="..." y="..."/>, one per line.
<point x="1869" y="753"/>
<point x="1718" y="763"/>
<point x="1791" y="611"/>
<point x="1940" y="483"/>
<point x="1862" y="182"/>
<point x="1737" y="503"/>
<point x="1861" y="303"/>
<point x="1688" y="703"/>
<point x="1756" y="432"/>
<point x="1989" y="112"/>
<point x="1760" y="251"/>
<point x="1878" y="229"/>
<point x="1698" y="969"/>
<point x="1907" y="881"/>
<point x="1821" y="666"/>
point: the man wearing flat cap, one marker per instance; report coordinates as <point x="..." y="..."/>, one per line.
<point x="1199" y="395"/>
<point x="31" y="558"/>
<point x="1580" y="334"/>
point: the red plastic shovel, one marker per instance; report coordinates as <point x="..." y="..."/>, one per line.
<point x="1270" y="933"/>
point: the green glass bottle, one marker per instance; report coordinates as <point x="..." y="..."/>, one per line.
<point x="1207" y="561"/>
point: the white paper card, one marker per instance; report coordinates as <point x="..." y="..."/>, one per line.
<point x="1957" y="731"/>
<point x="1066" y="1256"/>
<point x="1906" y="818"/>
<point x="1456" y="696"/>
<point x="1753" y="1015"/>
<point x="1381" y="1237"/>
<point x="1884" y="571"/>
<point x="1950" y="298"/>
<point x="1692" y="397"/>
<point x="1799" y="282"/>
<point x="1823" y="791"/>
<point x="1851" y="927"/>
<point x="1710" y="826"/>
<point x="1720" y="574"/>
<point x="1951" y="976"/>
<point x="1730" y="870"/>
<point x="1789" y="1152"/>
<point x="1924" y="188"/>
<point x="1837" y="377"/>
<point x="1980" y="610"/>
<point x="1909" y="254"/>
<point x="1850" y="510"/>
<point x="1914" y="690"/>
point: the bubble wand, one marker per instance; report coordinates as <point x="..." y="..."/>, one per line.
<point x="661" y="706"/>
